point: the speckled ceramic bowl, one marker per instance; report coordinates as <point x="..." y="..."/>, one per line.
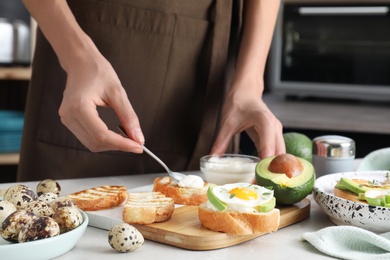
<point x="344" y="212"/>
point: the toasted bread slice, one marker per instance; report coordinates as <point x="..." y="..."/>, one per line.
<point x="239" y="223"/>
<point x="99" y="198"/>
<point x="348" y="195"/>
<point x="147" y="208"/>
<point x="185" y="196"/>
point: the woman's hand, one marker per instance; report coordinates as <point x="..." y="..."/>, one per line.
<point x="245" y="110"/>
<point x="91" y="81"/>
<point x="243" y="107"/>
<point x="93" y="84"/>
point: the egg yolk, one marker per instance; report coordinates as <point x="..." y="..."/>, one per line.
<point x="244" y="193"/>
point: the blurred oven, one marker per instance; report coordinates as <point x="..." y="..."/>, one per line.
<point x="332" y="50"/>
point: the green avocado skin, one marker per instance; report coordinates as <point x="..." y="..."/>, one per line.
<point x="285" y="195"/>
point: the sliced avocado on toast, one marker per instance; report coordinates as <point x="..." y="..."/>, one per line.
<point x="375" y="196"/>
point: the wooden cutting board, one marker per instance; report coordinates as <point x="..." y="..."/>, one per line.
<point x="185" y="231"/>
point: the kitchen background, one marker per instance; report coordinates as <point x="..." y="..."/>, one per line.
<point x="328" y="72"/>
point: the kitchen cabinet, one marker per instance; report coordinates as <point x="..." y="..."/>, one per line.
<point x="13" y="89"/>
<point x="14" y="82"/>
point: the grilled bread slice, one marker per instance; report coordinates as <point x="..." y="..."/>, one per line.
<point x="181" y="195"/>
<point x="99" y="198"/>
<point x="147" y="207"/>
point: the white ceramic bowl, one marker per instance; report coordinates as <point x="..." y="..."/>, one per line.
<point x="345" y="212"/>
<point x="376" y="160"/>
<point x="45" y="248"/>
<point x="229" y="168"/>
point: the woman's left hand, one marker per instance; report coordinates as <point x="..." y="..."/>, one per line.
<point x="244" y="109"/>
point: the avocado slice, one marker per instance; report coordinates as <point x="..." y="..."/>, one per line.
<point x="287" y="191"/>
<point x="340" y="186"/>
<point x="267" y="206"/>
<point x="387" y="198"/>
<point x="214" y="200"/>
<point x="353" y="186"/>
<point x="375" y="201"/>
<point x="361" y="196"/>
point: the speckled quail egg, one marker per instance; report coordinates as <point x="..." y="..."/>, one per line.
<point x="124" y="238"/>
<point x="6" y="208"/>
<point x="39" y="228"/>
<point x="62" y="202"/>
<point x="14" y="223"/>
<point x="21" y="196"/>
<point x="48" y="185"/>
<point x="68" y="218"/>
<point x="48" y="197"/>
<point x="14" y="189"/>
<point x="40" y="209"/>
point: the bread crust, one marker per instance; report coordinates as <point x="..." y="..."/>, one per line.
<point x="99" y="198"/>
<point x="147" y="208"/>
<point x="185" y="196"/>
<point x="239" y="223"/>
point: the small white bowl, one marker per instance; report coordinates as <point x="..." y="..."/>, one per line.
<point x="376" y="160"/>
<point x="345" y="212"/>
<point x="229" y="168"/>
<point x="44" y="248"/>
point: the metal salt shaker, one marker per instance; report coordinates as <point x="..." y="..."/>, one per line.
<point x="333" y="154"/>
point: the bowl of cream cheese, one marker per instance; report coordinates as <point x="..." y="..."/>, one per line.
<point x="229" y="168"/>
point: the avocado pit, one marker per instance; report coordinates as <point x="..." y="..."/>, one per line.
<point x="287" y="164"/>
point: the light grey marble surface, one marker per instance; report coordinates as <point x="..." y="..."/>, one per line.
<point x="283" y="244"/>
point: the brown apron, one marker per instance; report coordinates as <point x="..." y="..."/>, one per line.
<point x="171" y="57"/>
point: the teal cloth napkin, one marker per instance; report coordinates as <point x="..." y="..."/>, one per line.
<point x="348" y="242"/>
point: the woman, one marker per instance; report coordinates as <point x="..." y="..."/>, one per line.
<point x="176" y="68"/>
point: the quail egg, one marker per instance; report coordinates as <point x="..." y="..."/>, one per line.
<point x="14" y="189"/>
<point x="39" y="228"/>
<point x="125" y="238"/>
<point x="62" y="202"/>
<point x="14" y="223"/>
<point x="48" y="185"/>
<point x="20" y="196"/>
<point x="68" y="218"/>
<point x="6" y="208"/>
<point x="40" y="209"/>
<point x="48" y="197"/>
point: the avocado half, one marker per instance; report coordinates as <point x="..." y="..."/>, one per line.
<point x="287" y="191"/>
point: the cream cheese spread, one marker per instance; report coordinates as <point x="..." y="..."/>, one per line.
<point x="191" y="181"/>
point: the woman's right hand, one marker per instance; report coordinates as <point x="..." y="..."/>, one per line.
<point x="91" y="81"/>
<point x="91" y="84"/>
